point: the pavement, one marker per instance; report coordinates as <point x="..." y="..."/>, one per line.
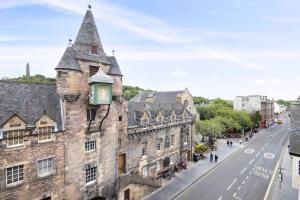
<point x="285" y="190"/>
<point x="243" y="172"/>
<point x="195" y="170"/>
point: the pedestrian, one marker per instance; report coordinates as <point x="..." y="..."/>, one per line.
<point x="230" y="143"/>
<point x="227" y="142"/>
<point x="216" y="158"/>
<point x="241" y="141"/>
<point x="211" y="157"/>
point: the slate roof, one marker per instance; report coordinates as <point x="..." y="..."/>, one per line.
<point x="29" y="101"/>
<point x="137" y="109"/>
<point x="162" y="97"/>
<point x="114" y="69"/>
<point x="295" y="143"/>
<point x="86" y="35"/>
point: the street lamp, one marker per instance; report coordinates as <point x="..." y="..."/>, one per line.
<point x="100" y="91"/>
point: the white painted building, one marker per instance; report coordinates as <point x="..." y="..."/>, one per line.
<point x="279" y="108"/>
<point x="250" y="104"/>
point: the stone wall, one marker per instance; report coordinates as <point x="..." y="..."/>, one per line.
<point x="33" y="186"/>
<point x="136" y="192"/>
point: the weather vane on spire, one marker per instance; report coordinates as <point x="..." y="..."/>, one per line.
<point x="89" y="6"/>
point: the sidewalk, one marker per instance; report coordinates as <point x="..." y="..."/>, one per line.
<point x="186" y="177"/>
<point x="286" y="191"/>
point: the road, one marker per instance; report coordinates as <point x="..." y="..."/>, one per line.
<point x="245" y="175"/>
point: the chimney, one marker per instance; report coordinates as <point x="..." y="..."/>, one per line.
<point x="27" y="70"/>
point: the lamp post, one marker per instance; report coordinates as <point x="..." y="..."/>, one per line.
<point x="100" y="91"/>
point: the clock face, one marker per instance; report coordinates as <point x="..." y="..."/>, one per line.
<point x="103" y="96"/>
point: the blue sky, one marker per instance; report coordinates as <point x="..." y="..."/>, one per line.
<point x="215" y="48"/>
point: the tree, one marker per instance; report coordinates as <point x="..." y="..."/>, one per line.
<point x="284" y="102"/>
<point x="256" y="117"/>
<point x="209" y="128"/>
<point x="34" y="79"/>
<point x="223" y="102"/>
<point x="229" y="124"/>
<point x="200" y="100"/>
<point x="129" y="91"/>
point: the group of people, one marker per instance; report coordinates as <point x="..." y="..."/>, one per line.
<point x="212" y="157"/>
<point x="229" y="143"/>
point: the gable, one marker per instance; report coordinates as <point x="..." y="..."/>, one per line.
<point x="44" y="121"/>
<point x="14" y="122"/>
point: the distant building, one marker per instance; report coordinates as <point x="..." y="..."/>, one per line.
<point x="254" y="103"/>
<point x="279" y="108"/>
<point x="294" y="149"/>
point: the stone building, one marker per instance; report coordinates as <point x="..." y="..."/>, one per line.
<point x="91" y="130"/>
<point x="31" y="142"/>
<point x="294" y="147"/>
<point x="253" y="103"/>
<point x="159" y="136"/>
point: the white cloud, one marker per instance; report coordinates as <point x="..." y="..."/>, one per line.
<point x="179" y="73"/>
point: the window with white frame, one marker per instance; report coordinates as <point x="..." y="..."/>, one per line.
<point x="90" y="175"/>
<point x="45" y="167"/>
<point x="172" y="140"/>
<point x="145" y="171"/>
<point x="158" y="144"/>
<point x="15" y="137"/>
<point x="185" y="138"/>
<point x="144" y="148"/>
<point x="14" y="174"/>
<point x="90" y="145"/>
<point x="299" y="167"/>
<point x="45" y="133"/>
<point x="158" y="166"/>
<point x="167" y="141"/>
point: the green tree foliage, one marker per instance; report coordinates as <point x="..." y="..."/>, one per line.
<point x="284" y="102"/>
<point x="223" y="102"/>
<point x="256" y="117"/>
<point x="34" y="79"/>
<point x="221" y="112"/>
<point x="200" y="100"/>
<point x="209" y="128"/>
<point x="129" y="91"/>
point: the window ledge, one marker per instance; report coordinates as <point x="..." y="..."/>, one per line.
<point x="44" y="141"/>
<point x="46" y="175"/>
<point x="144" y="157"/>
<point x="15" y="146"/>
<point x="11" y="185"/>
<point x="91" y="183"/>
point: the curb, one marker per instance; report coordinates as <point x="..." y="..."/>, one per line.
<point x="270" y="186"/>
<point x="213" y="168"/>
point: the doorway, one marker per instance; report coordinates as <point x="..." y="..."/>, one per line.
<point x="127" y="194"/>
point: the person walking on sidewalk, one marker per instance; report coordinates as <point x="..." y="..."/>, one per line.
<point x="230" y="143"/>
<point x="227" y="142"/>
<point x="216" y="158"/>
<point x="211" y="157"/>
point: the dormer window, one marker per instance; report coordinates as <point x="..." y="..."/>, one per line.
<point x="94" y="48"/>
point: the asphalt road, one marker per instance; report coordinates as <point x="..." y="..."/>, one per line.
<point x="246" y="174"/>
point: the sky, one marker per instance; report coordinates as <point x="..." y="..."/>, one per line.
<point x="215" y="48"/>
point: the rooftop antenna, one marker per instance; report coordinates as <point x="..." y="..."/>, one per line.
<point x="70" y="42"/>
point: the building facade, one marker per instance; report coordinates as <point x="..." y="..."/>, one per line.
<point x="254" y="103"/>
<point x="91" y="130"/>
<point x="31" y="142"/>
<point x="294" y="147"/>
<point x="78" y="138"/>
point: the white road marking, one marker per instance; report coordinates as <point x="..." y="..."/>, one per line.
<point x="247" y="177"/>
<point x="239" y="187"/>
<point x="243" y="182"/>
<point x="249" y="151"/>
<point x="243" y="170"/>
<point x="269" y="156"/>
<point x="220" y="198"/>
<point x="257" y="154"/>
<point x="262" y="148"/>
<point x="231" y="184"/>
<point x="234" y="195"/>
<point x="251" y="161"/>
